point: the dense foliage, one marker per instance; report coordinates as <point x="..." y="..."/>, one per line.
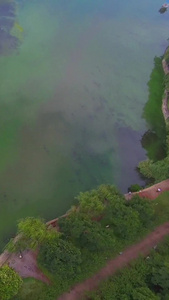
<point x="10" y="283"/>
<point x="157" y="170"/>
<point x="31" y="233"/>
<point x="146" y="279"/>
<point x="86" y="233"/>
<point x="61" y="257"/>
<point x="154" y="139"/>
<point x="87" y="241"/>
<point x="134" y="188"/>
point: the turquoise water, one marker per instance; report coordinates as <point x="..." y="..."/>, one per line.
<point x="71" y="102"/>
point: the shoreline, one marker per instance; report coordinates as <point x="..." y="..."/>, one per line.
<point x="165" y="99"/>
<point x="5" y="255"/>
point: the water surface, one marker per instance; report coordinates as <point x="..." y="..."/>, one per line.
<point x="71" y="102"/>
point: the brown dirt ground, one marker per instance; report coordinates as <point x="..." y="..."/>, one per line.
<point x="151" y="192"/>
<point x="27" y="265"/>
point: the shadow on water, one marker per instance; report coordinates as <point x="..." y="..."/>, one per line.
<point x="154" y="140"/>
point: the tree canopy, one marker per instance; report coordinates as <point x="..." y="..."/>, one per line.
<point x="31" y="233"/>
<point x="61" y="257"/>
<point x="10" y="283"/>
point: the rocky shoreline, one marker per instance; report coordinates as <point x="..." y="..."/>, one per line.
<point x="165" y="100"/>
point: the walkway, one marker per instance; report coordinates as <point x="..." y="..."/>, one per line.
<point x="151" y="192"/>
<point x="142" y="248"/>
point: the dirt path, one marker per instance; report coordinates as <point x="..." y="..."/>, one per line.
<point x="27" y="265"/>
<point x="151" y="192"/>
<point x="117" y="263"/>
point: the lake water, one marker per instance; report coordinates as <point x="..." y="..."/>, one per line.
<point x="71" y="102"/>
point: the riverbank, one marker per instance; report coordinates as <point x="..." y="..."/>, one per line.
<point x="28" y="267"/>
<point x="12" y="259"/>
<point x="165" y="99"/>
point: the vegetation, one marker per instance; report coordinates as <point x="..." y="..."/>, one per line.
<point x="134" y="188"/>
<point x="157" y="170"/>
<point x="146" y="279"/>
<point x="166" y="56"/>
<point x="154" y="140"/>
<point x="10" y="283"/>
<point x="32" y="232"/>
<point x="86" y="241"/>
<point x="60" y="257"/>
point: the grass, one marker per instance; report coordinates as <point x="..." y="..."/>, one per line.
<point x="161" y="206"/>
<point x="31" y="289"/>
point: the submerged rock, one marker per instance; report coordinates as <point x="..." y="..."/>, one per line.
<point x="10" y="30"/>
<point x="162" y="10"/>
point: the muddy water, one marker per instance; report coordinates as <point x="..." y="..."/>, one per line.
<point x="71" y="102"/>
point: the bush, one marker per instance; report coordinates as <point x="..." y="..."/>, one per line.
<point x="134" y="188"/>
<point x="60" y="257"/>
<point x="10" y="283"/>
<point x="144" y="208"/>
<point x="155" y="170"/>
<point x="86" y="233"/>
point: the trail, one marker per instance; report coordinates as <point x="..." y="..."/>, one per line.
<point x="151" y="192"/>
<point x="131" y="253"/>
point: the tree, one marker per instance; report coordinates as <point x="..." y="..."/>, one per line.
<point x="10" y="283"/>
<point x="134" y="188"/>
<point x="160" y="275"/>
<point x="144" y="209"/>
<point x="144" y="293"/>
<point x="93" y="203"/>
<point x="122" y="219"/>
<point x="31" y="233"/>
<point x="86" y="233"/>
<point x="145" y="168"/>
<point x="60" y="257"/>
<point x="157" y="170"/>
<point x="90" y="204"/>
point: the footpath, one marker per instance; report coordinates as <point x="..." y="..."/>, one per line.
<point x="141" y="248"/>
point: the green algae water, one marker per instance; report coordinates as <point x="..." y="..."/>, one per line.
<point x="71" y="102"/>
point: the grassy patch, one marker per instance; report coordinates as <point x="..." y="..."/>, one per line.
<point x="32" y="289"/>
<point x="161" y="206"/>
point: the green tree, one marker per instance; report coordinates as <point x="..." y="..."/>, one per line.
<point x="90" y="204"/>
<point x="144" y="208"/>
<point x="134" y="188"/>
<point x="31" y="233"/>
<point x="122" y="219"/>
<point x="86" y="233"/>
<point x="160" y="275"/>
<point x="157" y="170"/>
<point x="144" y="293"/>
<point x="60" y="257"/>
<point x="10" y="283"/>
<point x="93" y="203"/>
